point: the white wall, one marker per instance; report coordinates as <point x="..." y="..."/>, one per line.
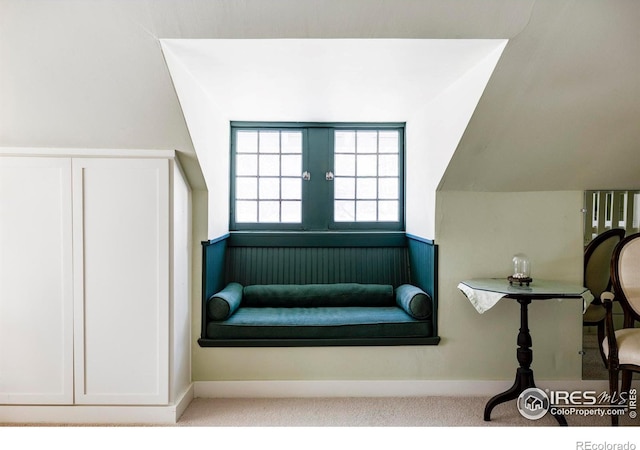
<point x="209" y="130"/>
<point x="478" y="234"/>
<point x="432" y="136"/>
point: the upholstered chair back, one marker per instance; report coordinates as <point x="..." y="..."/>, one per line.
<point x="626" y="270"/>
<point x="597" y="276"/>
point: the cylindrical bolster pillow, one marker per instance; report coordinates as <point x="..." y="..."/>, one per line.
<point x="414" y="301"/>
<point x="317" y="295"/>
<point x="223" y="304"/>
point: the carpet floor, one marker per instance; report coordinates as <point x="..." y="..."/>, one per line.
<point x="369" y="412"/>
<point x="385" y="412"/>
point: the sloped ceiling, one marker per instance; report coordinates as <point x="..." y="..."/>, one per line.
<point x="325" y="80"/>
<point x="561" y="110"/>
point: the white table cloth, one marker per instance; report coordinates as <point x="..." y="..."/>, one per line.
<point x="485" y="293"/>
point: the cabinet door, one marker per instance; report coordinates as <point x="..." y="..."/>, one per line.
<point x="36" y="284"/>
<point x="121" y="266"/>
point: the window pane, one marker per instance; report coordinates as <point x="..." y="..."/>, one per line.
<point x="345" y="165"/>
<point x="367" y="188"/>
<point x="291" y="165"/>
<point x="376" y="175"/>
<point x="388" y="188"/>
<point x="344" y="188"/>
<point x="345" y="142"/>
<point x="291" y="212"/>
<point x="247" y="188"/>
<point x="291" y="188"/>
<point x="365" y="211"/>
<point x="388" y="165"/>
<point x="269" y="142"/>
<point x="269" y="165"/>
<point x="388" y="142"/>
<point x="367" y="165"/>
<point x="247" y="142"/>
<point x="388" y="211"/>
<point x="246" y="165"/>
<point x="269" y="188"/>
<point x="268" y="169"/>
<point x="344" y="211"/>
<point x="246" y="211"/>
<point x="291" y="141"/>
<point x="269" y="211"/>
<point x="367" y="141"/>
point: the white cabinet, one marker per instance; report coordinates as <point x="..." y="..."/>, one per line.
<point x="121" y="273"/>
<point x="36" y="284"/>
<point x="90" y="282"/>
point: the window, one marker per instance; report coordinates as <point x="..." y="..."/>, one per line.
<point x="268" y="186"/>
<point x="317" y="176"/>
<point x="367" y="181"/>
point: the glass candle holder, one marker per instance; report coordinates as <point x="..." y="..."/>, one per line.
<point x="521" y="266"/>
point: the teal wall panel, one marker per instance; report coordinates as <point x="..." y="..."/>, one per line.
<point x="213" y="259"/>
<point x="306" y="265"/>
<point x="423" y="266"/>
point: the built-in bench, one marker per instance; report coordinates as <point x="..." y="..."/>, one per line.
<point x="317" y="289"/>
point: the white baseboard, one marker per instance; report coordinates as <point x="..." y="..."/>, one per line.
<point x="183" y="401"/>
<point x="383" y="388"/>
<point x="97" y="414"/>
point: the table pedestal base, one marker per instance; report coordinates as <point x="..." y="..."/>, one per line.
<point x="524" y="381"/>
<point x="524" y="374"/>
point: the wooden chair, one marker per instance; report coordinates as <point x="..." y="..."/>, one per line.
<point x="597" y="278"/>
<point x="622" y="346"/>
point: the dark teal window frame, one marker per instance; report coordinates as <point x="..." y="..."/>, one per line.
<point x="318" y="193"/>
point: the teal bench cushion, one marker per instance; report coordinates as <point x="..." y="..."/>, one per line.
<point x="414" y="301"/>
<point x="319" y="322"/>
<point x="318" y="295"/>
<point x="223" y="304"/>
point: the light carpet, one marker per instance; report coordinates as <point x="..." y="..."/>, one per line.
<point x="369" y="412"/>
